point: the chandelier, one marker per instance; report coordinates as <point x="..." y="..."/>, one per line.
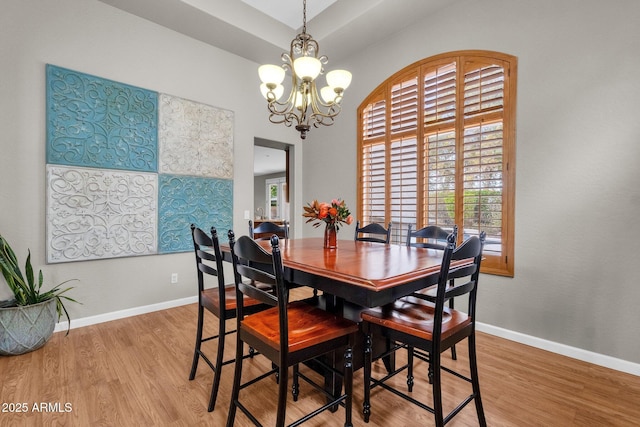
<point x="305" y="106"/>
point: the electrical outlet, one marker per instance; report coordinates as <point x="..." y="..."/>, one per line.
<point x="174" y="278"/>
<point x="247" y="214"/>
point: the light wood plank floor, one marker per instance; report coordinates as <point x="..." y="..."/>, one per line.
<point x="134" y="372"/>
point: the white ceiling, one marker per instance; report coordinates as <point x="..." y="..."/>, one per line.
<point x="290" y="12"/>
<point x="268" y="160"/>
<point x="341" y="27"/>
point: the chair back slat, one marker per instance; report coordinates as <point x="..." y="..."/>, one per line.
<point x="462" y="271"/>
<point x="461" y="289"/>
<point x="468" y="249"/>
<point x="208" y="259"/>
<point x="250" y="290"/>
<point x="206" y="254"/>
<point x="207" y="269"/>
<point x="369" y="231"/>
<point x="432" y="237"/>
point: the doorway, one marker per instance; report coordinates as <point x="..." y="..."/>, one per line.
<point x="273" y="186"/>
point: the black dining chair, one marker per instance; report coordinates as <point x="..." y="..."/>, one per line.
<point x="218" y="299"/>
<point x="287" y="334"/>
<point x="369" y="232"/>
<point x="430" y="237"/>
<point x="433" y="328"/>
<point x="266" y="229"/>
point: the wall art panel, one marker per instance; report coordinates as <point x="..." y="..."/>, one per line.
<point x="185" y="200"/>
<point x="94" y="213"/>
<point x="195" y="139"/>
<point x="106" y="196"/>
<point x="94" y="122"/>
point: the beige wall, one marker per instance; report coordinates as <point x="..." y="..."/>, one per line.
<point x="94" y="38"/>
<point x="578" y="146"/>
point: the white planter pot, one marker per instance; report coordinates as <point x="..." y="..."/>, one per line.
<point x="26" y="328"/>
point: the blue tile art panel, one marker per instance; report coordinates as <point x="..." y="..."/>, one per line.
<point x="99" y="123"/>
<point x="184" y="200"/>
<point x="107" y="196"/>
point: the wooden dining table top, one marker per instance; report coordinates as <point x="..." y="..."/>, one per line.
<point x="365" y="273"/>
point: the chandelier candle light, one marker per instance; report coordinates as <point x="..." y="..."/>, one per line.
<point x="304" y="106"/>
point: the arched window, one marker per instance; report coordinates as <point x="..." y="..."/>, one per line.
<point x="436" y="145"/>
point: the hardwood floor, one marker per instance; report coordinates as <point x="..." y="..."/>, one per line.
<point x="134" y="372"/>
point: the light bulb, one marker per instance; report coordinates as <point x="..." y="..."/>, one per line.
<point x="328" y="94"/>
<point x="270" y="73"/>
<point x="298" y="100"/>
<point x="339" y="79"/>
<point x="277" y="91"/>
<point x="307" y="67"/>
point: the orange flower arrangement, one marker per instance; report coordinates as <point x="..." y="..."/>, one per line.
<point x="332" y="214"/>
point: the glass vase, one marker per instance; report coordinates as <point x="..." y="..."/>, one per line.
<point x="330" y="237"/>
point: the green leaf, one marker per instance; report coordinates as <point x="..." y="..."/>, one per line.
<point x="27" y="292"/>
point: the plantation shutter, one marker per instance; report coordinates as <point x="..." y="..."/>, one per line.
<point x="373" y="163"/>
<point x="440" y="145"/>
<point x="436" y="146"/>
<point x="440" y="179"/>
<point x="483" y="153"/>
<point x="404" y="185"/>
<point x="403" y="156"/>
<point x="373" y="120"/>
<point x="373" y="183"/>
<point x="404" y="105"/>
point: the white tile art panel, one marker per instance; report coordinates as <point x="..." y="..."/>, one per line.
<point x="194" y="139"/>
<point x="97" y="213"/>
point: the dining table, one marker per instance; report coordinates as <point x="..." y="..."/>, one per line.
<point x="354" y="276"/>
<point x="364" y="273"/>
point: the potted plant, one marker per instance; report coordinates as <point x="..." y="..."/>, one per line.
<point x="27" y="321"/>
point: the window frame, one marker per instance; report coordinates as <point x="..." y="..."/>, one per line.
<point x="502" y="264"/>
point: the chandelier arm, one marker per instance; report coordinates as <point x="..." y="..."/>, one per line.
<point x="286" y="115"/>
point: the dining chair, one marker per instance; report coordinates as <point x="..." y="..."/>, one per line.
<point x="266" y="229"/>
<point x="433" y="328"/>
<point x="287" y="334"/>
<point x="369" y="231"/>
<point x="430" y="237"/>
<point x="219" y="300"/>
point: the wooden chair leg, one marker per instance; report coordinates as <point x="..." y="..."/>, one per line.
<point x="237" y="377"/>
<point x="366" y="404"/>
<point x="473" y="368"/>
<point x="196" y="351"/>
<point x="295" y="388"/>
<point x="348" y="384"/>
<point x="217" y="375"/>
<point x="437" y="388"/>
<point x="282" y="395"/>
<point x="410" y="377"/>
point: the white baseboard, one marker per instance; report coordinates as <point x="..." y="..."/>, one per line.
<point x="565" y="350"/>
<point x="554" y="347"/>
<point x="121" y="314"/>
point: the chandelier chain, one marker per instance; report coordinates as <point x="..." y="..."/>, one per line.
<point x="304" y="16"/>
